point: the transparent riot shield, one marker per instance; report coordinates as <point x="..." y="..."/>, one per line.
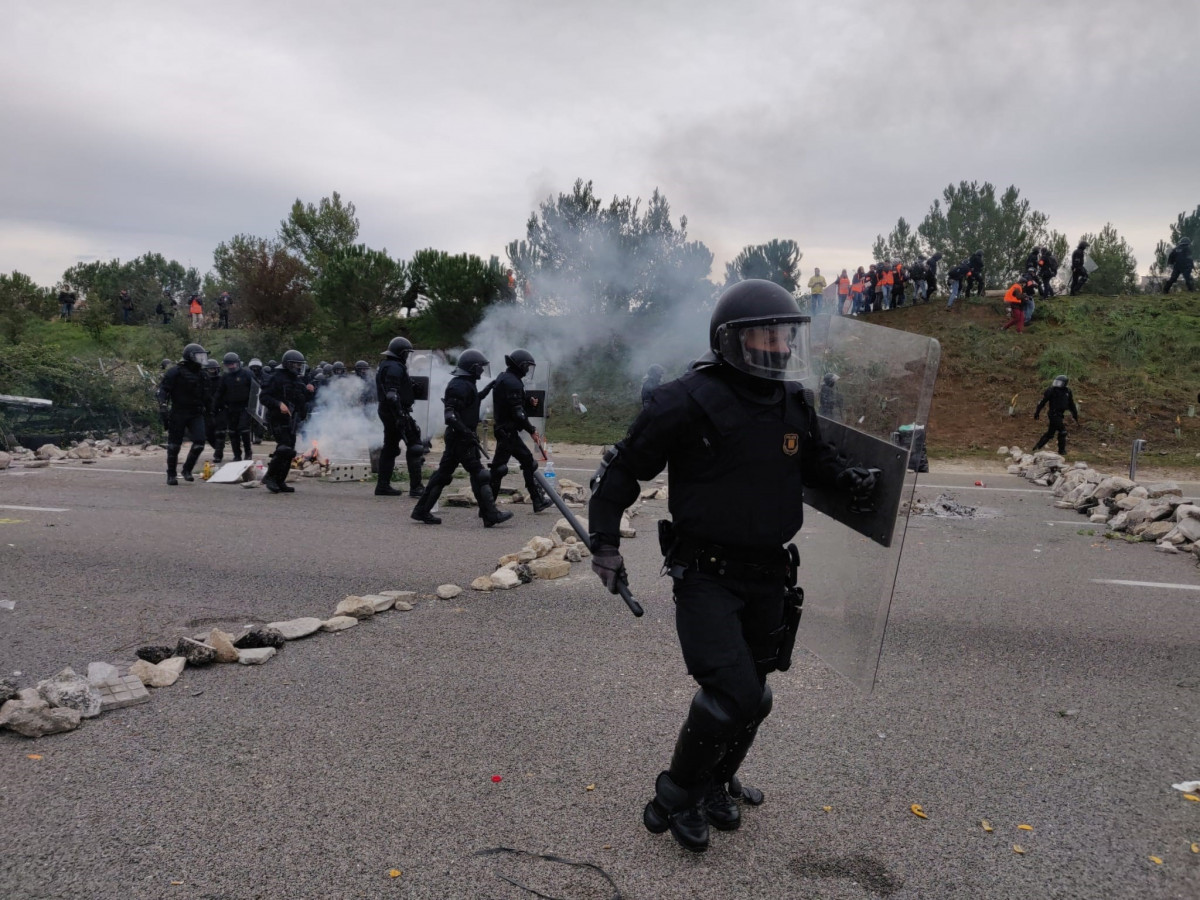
<point x="420" y="371"/>
<point x="850" y="549"/>
<point x="537" y="397"/>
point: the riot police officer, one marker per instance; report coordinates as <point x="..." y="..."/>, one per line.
<point x="830" y="402"/>
<point x="1061" y="401"/>
<point x="511" y="419"/>
<point x="233" y="398"/>
<point x="1181" y="263"/>
<point x="395" y="390"/>
<point x="1079" y="272"/>
<point x="974" y="275"/>
<point x="185" y="397"/>
<point x="214" y="425"/>
<point x="339" y="369"/>
<point x="285" y="397"/>
<point x="653" y="378"/>
<point x="462" y="445"/>
<point x="740" y="439"/>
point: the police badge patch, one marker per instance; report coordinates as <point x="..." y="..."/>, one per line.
<point x="791" y="443"/>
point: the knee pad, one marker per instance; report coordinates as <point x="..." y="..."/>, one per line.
<point x="709" y="717"/>
<point x="285" y="453"/>
<point x="415" y="453"/>
<point x="481" y="479"/>
<point x="174" y="448"/>
<point x="498" y="472"/>
<point x="766" y="704"/>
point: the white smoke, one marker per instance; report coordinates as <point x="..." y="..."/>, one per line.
<point x="341" y="425"/>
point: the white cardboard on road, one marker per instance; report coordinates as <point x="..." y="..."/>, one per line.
<point x="233" y="473"/>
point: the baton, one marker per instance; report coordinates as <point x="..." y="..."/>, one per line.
<point x="622" y="585"/>
<point x="540" y="443"/>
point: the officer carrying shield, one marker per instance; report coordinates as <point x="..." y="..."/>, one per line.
<point x="185" y="398"/>
<point x="511" y="420"/>
<point x="462" y="445"/>
<point x="285" y="397"/>
<point x="395" y="391"/>
<point x="740" y="440"/>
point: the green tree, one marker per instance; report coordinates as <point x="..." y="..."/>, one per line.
<point x="1186" y="225"/>
<point x="315" y="233"/>
<point x="270" y="285"/>
<point x="1116" y="271"/>
<point x="581" y="255"/>
<point x="457" y="290"/>
<point x="777" y="261"/>
<point x="902" y="244"/>
<point x="359" y="286"/>
<point x="22" y="301"/>
<point x="970" y="217"/>
<point x="146" y="278"/>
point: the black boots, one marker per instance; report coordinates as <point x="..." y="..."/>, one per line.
<point x="275" y="479"/>
<point x="423" y="511"/>
<point x="537" y="496"/>
<point x="720" y="809"/>
<point x="680" y="811"/>
<point x="190" y="462"/>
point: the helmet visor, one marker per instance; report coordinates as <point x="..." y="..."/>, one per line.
<point x="775" y="349"/>
<point x="200" y="358"/>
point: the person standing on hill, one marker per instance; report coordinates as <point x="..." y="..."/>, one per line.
<point x="1079" y="272"/>
<point x="1181" y="263"/>
<point x="126" y="307"/>
<point x="931" y="265"/>
<point x="1014" y="298"/>
<point x="974" y="275"/>
<point x="1060" y="400"/>
<point x="843" y="294"/>
<point x="816" y="287"/>
<point x="196" y="308"/>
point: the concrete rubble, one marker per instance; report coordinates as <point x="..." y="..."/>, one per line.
<point x="448" y="591"/>
<point x="1151" y="513"/>
<point x="159" y="675"/>
<point x="70" y="691"/>
<point x="294" y="629"/>
<point x="339" y="623"/>
<point x="358" y="607"/>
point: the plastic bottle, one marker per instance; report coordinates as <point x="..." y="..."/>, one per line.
<point x="260" y="470"/>
<point x="207" y="472"/>
<point x="548" y="471"/>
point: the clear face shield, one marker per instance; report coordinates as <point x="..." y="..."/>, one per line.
<point x="774" y="348"/>
<point x="200" y="358"/>
<point x="528" y="378"/>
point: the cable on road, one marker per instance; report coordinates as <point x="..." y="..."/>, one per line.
<point x="548" y="857"/>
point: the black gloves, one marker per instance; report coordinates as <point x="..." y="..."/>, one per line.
<point x="608" y="565"/>
<point x="858" y="481"/>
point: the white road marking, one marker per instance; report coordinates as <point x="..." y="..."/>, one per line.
<point x="973" y="487"/>
<point x="1157" y="584"/>
<point x="35" y="508"/>
<point x="1081" y="523"/>
<point x="96" y="469"/>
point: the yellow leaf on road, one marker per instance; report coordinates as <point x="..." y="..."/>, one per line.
<point x="176" y="882"/>
<point x="917" y="811"/>
<point x="1156" y="860"/>
<point x="1191" y="797"/>
<point x="986" y="826"/>
<point x="1025" y="827"/>
<point x="1017" y="848"/>
<point x="1196" y="848"/>
<point x="827" y="808"/>
<point x="33" y="756"/>
<point x="394" y="873"/>
<point x="590" y="787"/>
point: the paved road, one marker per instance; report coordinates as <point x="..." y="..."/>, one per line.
<point x="356" y="753"/>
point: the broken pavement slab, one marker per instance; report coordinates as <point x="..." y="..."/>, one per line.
<point x="339" y="623"/>
<point x="255" y="656"/>
<point x="294" y="629"/>
<point x="355" y="606"/>
<point x="158" y="675"/>
<point x="121" y="691"/>
<point x="381" y="602"/>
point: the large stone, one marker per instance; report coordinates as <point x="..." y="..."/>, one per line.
<point x="71" y="691"/>
<point x="100" y="672"/>
<point x="1014" y="470"/>
<point x="573" y="555"/>
<point x="1118" y="522"/>
<point x="49" y="451"/>
<point x="571" y="491"/>
<point x="1129" y="502"/>
<point x="35" y="723"/>
<point x="222" y="642"/>
<point x="627" y="529"/>
<point x="355" y="606"/>
<point x="1186" y="511"/>
<point x="448" y="591"/>
<point x="563" y="528"/>
<point x="482" y="583"/>
<point x="461" y="499"/>
<point x="294" y="629"/>
<point x="1156" y="531"/>
<point x="339" y="623"/>
<point x="260" y="636"/>
<point x="1162" y="489"/>
<point x="195" y="652"/>
<point x="83" y="451"/>
<point x="8" y="689"/>
<point x="5" y="460"/>
<point x="256" y="656"/>
<point x="155" y="653"/>
<point x="163" y="674"/>
<point x="504" y="579"/>
<point x="1185" y="530"/>
<point x="526" y="555"/>
<point x="540" y="546"/>
<point x="381" y="602"/>
<point x="1140" y="492"/>
<point x="1099" y="518"/>
<point x="549" y="569"/>
<point x="121" y="691"/>
<point x="403" y="606"/>
<point x="1149" y="511"/>
<point x="507" y="558"/>
<point x="1113" y="485"/>
<point x="36" y="463"/>
<point x="399" y="595"/>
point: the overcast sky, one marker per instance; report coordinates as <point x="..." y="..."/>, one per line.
<point x="129" y="127"/>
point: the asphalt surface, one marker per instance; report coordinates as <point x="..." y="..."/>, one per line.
<point x="353" y="754"/>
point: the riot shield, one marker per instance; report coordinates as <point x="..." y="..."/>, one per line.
<point x="420" y="372"/>
<point x="850" y="550"/>
<point x="254" y="405"/>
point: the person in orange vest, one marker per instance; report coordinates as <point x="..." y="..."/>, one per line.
<point x="816" y="287"/>
<point x="1015" y="298"/>
<point x="856" y="291"/>
<point x="886" y="280"/>
<point x="196" y="308"/>
<point x="843" y="293"/>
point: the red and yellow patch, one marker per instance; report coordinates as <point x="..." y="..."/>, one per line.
<point x="791" y="444"/>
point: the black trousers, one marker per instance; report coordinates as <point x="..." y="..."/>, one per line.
<point x="237" y="423"/>
<point x="1176" y="274"/>
<point x="214" y="428"/>
<point x="180" y="424"/>
<point x="1079" y="278"/>
<point x="460" y="451"/>
<point x="1044" y="286"/>
<point x="397" y="428"/>
<point x="510" y="446"/>
<point x="1057" y="426"/>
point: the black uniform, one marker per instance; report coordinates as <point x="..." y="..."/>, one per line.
<point x="214" y="417"/>
<point x="188" y="392"/>
<point x="395" y="390"/>
<point x="648" y="387"/>
<point x="1079" y="272"/>
<point x="931" y="274"/>
<point x="1060" y="402"/>
<point x="974" y="275"/>
<point x="508" y="403"/>
<point x="284" y="386"/>
<point x="233" y="398"/>
<point x="1181" y="263"/>
<point x="830" y="402"/>
<point x="462" y="449"/>
<point x="223" y="304"/>
<point x="735" y="447"/>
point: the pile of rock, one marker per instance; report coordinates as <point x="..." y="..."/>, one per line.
<point x="88" y="451"/>
<point x="1154" y="513"/>
<point x="60" y="703"/>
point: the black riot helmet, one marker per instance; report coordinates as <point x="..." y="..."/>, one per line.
<point x="326" y="369"/>
<point x="520" y="362"/>
<point x="361" y="368"/>
<point x="655" y="373"/>
<point x="256" y="364"/>
<point x="471" y="363"/>
<point x="293" y="361"/>
<point x="1083" y="245"/>
<point x="212" y="368"/>
<point x="1059" y="381"/>
<point x="398" y="348"/>
<point x="194" y="353"/>
<point x="165" y="364"/>
<point x="1185" y="242"/>
<point x="830" y="379"/>
<point x="233" y="362"/>
<point x="339" y="368"/>
<point x="757" y="329"/>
